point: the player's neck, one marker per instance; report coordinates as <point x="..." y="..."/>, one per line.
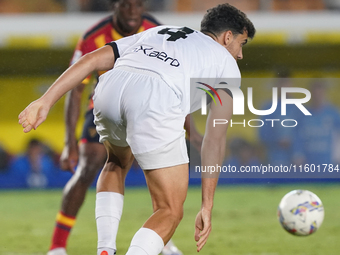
<point x="210" y="34"/>
<point x="219" y="39"/>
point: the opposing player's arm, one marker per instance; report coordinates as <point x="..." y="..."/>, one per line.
<point x="212" y="153"/>
<point x="99" y="60"/>
<point x="69" y="156"/>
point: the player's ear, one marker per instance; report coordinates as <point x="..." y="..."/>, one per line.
<point x="228" y="38"/>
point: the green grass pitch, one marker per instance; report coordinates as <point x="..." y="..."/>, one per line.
<point x="244" y="222"/>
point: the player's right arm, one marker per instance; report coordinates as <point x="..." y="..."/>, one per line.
<point x="212" y="154"/>
<point x="99" y="60"/>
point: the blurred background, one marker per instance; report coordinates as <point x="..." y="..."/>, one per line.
<point x="295" y="39"/>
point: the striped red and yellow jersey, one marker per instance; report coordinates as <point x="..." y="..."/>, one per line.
<point x="100" y="34"/>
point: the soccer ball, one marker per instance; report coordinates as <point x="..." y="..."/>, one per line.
<point x="301" y="212"/>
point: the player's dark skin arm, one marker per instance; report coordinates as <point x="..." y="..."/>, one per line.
<point x="36" y="113"/>
<point x="69" y="156"/>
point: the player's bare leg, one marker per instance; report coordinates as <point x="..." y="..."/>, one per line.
<point x="91" y="159"/>
<point x="110" y="196"/>
<point x="168" y="189"/>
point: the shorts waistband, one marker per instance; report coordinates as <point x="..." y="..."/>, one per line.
<point x="140" y="71"/>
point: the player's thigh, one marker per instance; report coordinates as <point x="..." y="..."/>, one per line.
<point x="118" y="163"/>
<point x="168" y="186"/>
<point x="121" y="156"/>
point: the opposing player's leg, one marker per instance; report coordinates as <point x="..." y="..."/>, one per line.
<point x="168" y="188"/>
<point x="91" y="159"/>
<point x="110" y="196"/>
<point x="92" y="155"/>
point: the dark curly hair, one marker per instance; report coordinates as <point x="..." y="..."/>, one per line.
<point x="226" y="17"/>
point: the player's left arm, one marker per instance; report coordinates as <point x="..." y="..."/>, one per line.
<point x="99" y="60"/>
<point x="213" y="152"/>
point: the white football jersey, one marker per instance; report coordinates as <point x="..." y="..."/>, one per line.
<point x="178" y="54"/>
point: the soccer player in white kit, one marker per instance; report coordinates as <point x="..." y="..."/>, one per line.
<point x="140" y="108"/>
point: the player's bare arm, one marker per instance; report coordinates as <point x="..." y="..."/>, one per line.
<point x="36" y="113"/>
<point x="69" y="156"/>
<point x="213" y="152"/>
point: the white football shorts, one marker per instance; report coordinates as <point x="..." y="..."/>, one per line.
<point x="135" y="107"/>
